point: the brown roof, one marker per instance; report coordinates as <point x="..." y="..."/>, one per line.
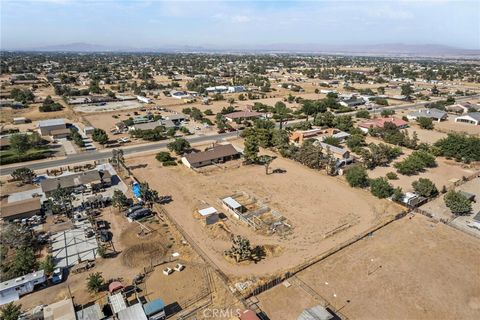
<point x="59" y="131"/>
<point x="74" y="180"/>
<point x="19" y="207"/>
<point x="217" y="152"/>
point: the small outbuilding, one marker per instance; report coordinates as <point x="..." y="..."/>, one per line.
<point x="209" y="215"/>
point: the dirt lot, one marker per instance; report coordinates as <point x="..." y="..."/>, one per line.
<point x="438" y="208"/>
<point x="441" y="175"/>
<point x="381" y="277"/>
<point x="313" y="202"/>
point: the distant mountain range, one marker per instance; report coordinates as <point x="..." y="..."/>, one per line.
<point x="391" y="49"/>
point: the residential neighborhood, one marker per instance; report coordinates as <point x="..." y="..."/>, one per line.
<point x="271" y="181"/>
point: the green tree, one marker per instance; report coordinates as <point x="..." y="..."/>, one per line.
<point x="119" y="200"/>
<point x="241" y="249"/>
<point x="357" y="177"/>
<point x="381" y="90"/>
<point x="281" y="112"/>
<point x="355" y="142"/>
<point x="26" y="175"/>
<point x="179" y="146"/>
<point x="48" y="265"/>
<point x="100" y="136"/>
<point x="364" y="114"/>
<point x="163" y="156"/>
<point x="458" y="204"/>
<point x="250" y="152"/>
<point x="425" y="123"/>
<point x="24" y="262"/>
<point x="10" y="311"/>
<point x="407" y="90"/>
<point x="19" y="143"/>
<point x="425" y="187"/>
<point x="381" y="188"/>
<point x="333" y="141"/>
<point x="146" y="194"/>
<point x="61" y="201"/>
<point x="95" y="282"/>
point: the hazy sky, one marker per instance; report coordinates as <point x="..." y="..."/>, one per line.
<point x="154" y="23"/>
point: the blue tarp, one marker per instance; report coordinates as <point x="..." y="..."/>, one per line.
<point x="136" y="189"/>
<point x="153" y="307"/>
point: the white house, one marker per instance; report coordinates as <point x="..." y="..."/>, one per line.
<point x="471" y="117"/>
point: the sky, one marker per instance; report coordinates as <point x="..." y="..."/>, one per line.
<point x="221" y="24"/>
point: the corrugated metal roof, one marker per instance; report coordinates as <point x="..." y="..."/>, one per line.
<point x="134" y="312"/>
<point x="315" y="313"/>
<point x="117" y="302"/>
<point x="50" y="122"/>
<point x="207" y="211"/>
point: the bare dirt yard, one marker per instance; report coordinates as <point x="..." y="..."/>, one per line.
<point x="324" y="211"/>
<point x="442" y="175"/>
<point x="411" y="269"/>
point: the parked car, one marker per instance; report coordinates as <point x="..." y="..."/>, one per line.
<point x="105" y="236"/>
<point x="140" y="214"/>
<point x="132" y="209"/>
<point x="57" y="275"/>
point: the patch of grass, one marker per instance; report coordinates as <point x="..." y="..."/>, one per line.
<point x="8" y="156"/>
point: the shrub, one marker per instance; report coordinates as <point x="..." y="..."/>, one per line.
<point x="425" y="123"/>
<point x="392" y="176"/>
<point x="416" y="162"/>
<point x="425" y="187"/>
<point x="381" y="188"/>
<point x="357" y="177"/>
<point x="457" y="203"/>
<point x="364" y="114"/>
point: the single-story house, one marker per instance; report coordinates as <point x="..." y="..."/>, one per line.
<point x="63" y="310"/>
<point x="433" y="113"/>
<point x="352" y="102"/>
<point x="380" y="123"/>
<point x="216" y="89"/>
<point x="12" y="289"/>
<point x="217" y="154"/>
<point x="461" y="108"/>
<point x="95" y="178"/>
<point x="243" y="115"/>
<point x="471" y="117"/>
<point x="47" y="126"/>
<point x="341" y="155"/>
<point x="299" y="136"/>
<point x="60" y="133"/>
<point x="176" y="118"/>
<point x="22" y="209"/>
<point x="235" y="89"/>
<point x="152" y="125"/>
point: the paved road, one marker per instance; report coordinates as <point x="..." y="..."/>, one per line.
<point x="99" y="155"/>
